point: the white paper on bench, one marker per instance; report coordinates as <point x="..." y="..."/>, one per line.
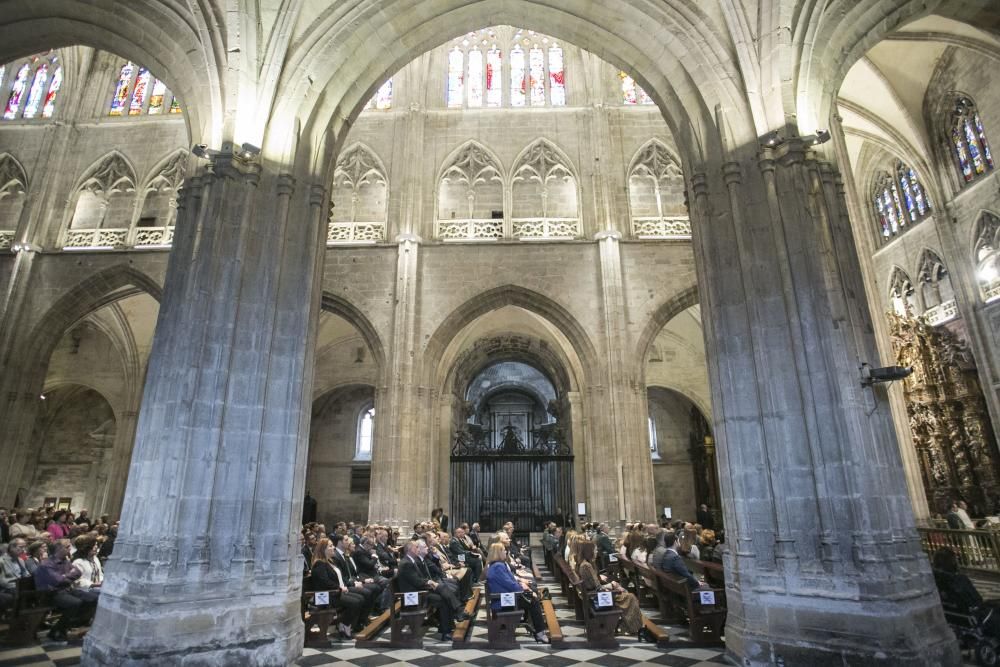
<point x="461" y="558"/>
<point x="507" y="600"/>
<point x="322" y="597"/>
<point x="411" y="599"/>
<point x="707" y="597"/>
<point x="612" y="558"/>
<point x="605" y="599"/>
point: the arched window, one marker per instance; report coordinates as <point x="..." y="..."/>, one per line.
<point x="137" y="92"/>
<point x="366" y="431"/>
<point x="898" y="200"/>
<point x="936" y="290"/>
<point x="155" y="227"/>
<point x="31" y="90"/>
<point x="475" y="69"/>
<point x="632" y="93"/>
<point x="544" y="195"/>
<point x="986" y="254"/>
<point x="104" y="206"/>
<point x="470" y="196"/>
<point x="360" y="194"/>
<point x="13" y="185"/>
<point x="653" y="449"/>
<point x="902" y="296"/>
<point x="382" y="99"/>
<point x="968" y="140"/>
<point x="656" y="195"/>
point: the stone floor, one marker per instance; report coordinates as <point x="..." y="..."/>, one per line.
<point x="438" y="654"/>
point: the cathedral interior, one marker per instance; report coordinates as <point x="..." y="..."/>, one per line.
<point x="523" y="260"/>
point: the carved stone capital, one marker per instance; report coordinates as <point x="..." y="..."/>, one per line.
<point x="229" y="167"/>
<point x="732" y="174"/>
<point x="699" y="184"/>
<point x="317" y="195"/>
<point x="286" y="185"/>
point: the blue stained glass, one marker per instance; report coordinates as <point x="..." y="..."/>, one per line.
<point x="923" y="204"/>
<point x="907" y="196"/>
<point x="963" y="156"/>
<point x="890" y="211"/>
<point x="881" y="216"/>
<point x="982" y="140"/>
<point x="970" y="139"/>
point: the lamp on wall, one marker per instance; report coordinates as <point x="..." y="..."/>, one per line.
<point x="821" y="137"/>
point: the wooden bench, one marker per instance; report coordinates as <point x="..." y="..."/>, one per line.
<point x="661" y="636"/>
<point x="501" y="624"/>
<point x="570" y="584"/>
<point x="407" y="622"/>
<point x="30" y="608"/>
<point x="556" y="639"/>
<point x="317" y="618"/>
<point x="705" y="621"/>
<point x="600" y="623"/>
<point x="463" y="631"/>
<point x="368" y="636"/>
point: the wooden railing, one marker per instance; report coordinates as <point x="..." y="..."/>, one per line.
<point x="975" y="549"/>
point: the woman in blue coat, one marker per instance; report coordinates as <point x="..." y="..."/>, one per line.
<point x="499" y="579"/>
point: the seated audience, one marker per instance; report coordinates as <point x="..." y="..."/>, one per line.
<point x="956" y="590"/>
<point x="22" y="527"/>
<point x="12" y="568"/>
<point x="59" y="527"/>
<point x="91" y="572"/>
<point x="671" y="562"/>
<point x="57" y="573"/>
<point x="463" y="551"/>
<point x="37" y="552"/>
<point x="414" y="576"/>
<point x="590" y="582"/>
<point x="324" y="575"/>
<point x="500" y="580"/>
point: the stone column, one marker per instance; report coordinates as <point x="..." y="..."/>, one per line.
<point x="400" y="466"/>
<point x="623" y="454"/>
<point x="823" y="563"/>
<point x="207" y="568"/>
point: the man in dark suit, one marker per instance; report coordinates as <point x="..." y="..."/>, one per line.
<point x="442" y="568"/>
<point x="603" y="543"/>
<point x="705" y="517"/>
<point x="386" y="555"/>
<point x="367" y="588"/>
<point x="463" y="551"/>
<point x="474" y="536"/>
<point x="672" y="563"/>
<point x="415" y="577"/>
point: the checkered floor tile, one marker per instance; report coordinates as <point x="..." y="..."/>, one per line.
<point x="438" y="654"/>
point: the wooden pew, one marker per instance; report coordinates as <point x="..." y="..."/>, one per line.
<point x="556" y="639"/>
<point x="600" y="623"/>
<point x="661" y="636"/>
<point x="370" y="633"/>
<point x="463" y="630"/>
<point x="30" y="608"/>
<point x="501" y="624"/>
<point x="406" y="627"/>
<point x="317" y="619"/>
<point x="570" y="587"/>
<point x="706" y="621"/>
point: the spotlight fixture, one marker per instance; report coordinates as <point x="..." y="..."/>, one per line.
<point x="204" y="152"/>
<point x="821" y="137"/>
<point x="771" y="140"/>
<point x="249" y="151"/>
<point x="988" y="273"/>
<point x="24" y="246"/>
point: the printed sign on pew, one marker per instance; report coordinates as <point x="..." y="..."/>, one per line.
<point x="707" y="598"/>
<point x="411" y="599"/>
<point x="322" y="597"/>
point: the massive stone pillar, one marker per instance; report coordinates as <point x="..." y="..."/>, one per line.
<point x="823" y="564"/>
<point x="206" y="568"/>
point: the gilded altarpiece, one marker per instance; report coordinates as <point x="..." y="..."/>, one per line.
<point x="952" y="435"/>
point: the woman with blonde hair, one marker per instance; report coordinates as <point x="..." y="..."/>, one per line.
<point x="570" y="534"/>
<point x="573" y="546"/>
<point x="499" y="579"/>
<point x="590" y="582"/>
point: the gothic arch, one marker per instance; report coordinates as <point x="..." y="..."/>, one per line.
<point x="465" y="158"/>
<point x="985" y="233"/>
<point x="109" y="173"/>
<point x="656" y="151"/>
<point x="359" y="166"/>
<point x="169" y="172"/>
<point x="338" y="305"/>
<point x="510" y="295"/>
<point x="13" y="179"/>
<point x="182" y="46"/>
<point x="665" y="312"/>
<point x="324" y="85"/>
<point x="543" y="150"/>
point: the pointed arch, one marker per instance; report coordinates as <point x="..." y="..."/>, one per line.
<point x="169" y="172"/>
<point x="470" y="189"/>
<point x="666" y="311"/>
<point x="359" y="208"/>
<point x="934" y="280"/>
<point x="656" y="200"/>
<point x="511" y="295"/>
<point x="544" y="193"/>
<point x="111" y="173"/>
<point x="901" y="293"/>
<point x="338" y="305"/>
<point x="13" y="179"/>
<point x="986" y="254"/>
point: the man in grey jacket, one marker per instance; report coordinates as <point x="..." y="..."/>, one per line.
<point x="12" y="568"/>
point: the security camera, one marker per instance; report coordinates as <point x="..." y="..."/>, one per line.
<point x="870" y="376"/>
<point x="771" y="139"/>
<point x="203" y="151"/>
<point x="249" y="151"/>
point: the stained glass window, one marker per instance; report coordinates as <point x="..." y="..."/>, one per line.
<point x="175" y="105"/>
<point x="456" y="72"/>
<point x="37" y="92"/>
<point x="50" y="98"/>
<point x="475" y="78"/>
<point x="156" y="97"/>
<point x="632" y="93"/>
<point x="120" y="99"/>
<point x="141" y="89"/>
<point x="536" y="70"/>
<point x="383" y="96"/>
<point x="17" y="92"/>
<point x="518" y="81"/>
<point x="557" y="77"/>
<point x="899" y="200"/>
<point x="494" y="77"/>
<point x="3" y="69"/>
<point x="972" y="150"/>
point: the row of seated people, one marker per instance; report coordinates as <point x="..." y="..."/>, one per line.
<point x="71" y="570"/>
<point x="358" y="567"/>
